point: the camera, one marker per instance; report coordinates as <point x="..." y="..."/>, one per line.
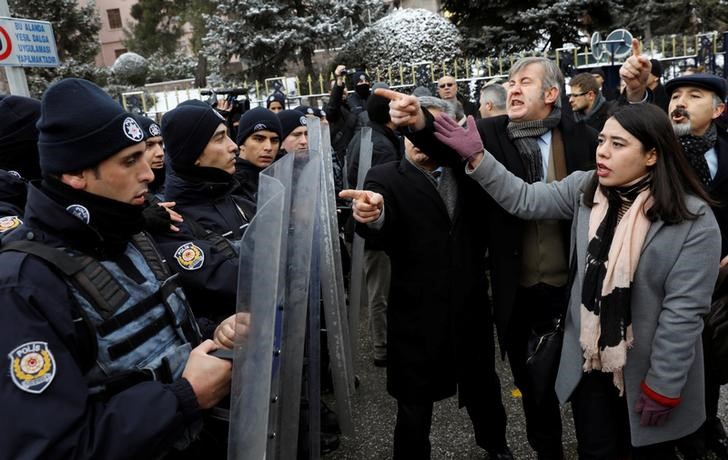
<point x="236" y="99"/>
<point x="348" y="72"/>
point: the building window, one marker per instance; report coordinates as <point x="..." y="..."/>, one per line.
<point x="114" y="18"/>
<point x="119" y="52"/>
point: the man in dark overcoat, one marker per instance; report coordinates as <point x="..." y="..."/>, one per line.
<point x="439" y="325"/>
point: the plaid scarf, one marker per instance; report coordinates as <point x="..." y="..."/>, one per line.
<point x="695" y="148"/>
<point x="524" y="135"/>
<point x="612" y="255"/>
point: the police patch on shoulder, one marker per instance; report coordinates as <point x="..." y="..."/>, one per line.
<point x="80" y="211"/>
<point x="32" y="366"/>
<point x="189" y="256"/>
<point x="8" y="223"/>
<point x="14" y="173"/>
<point x="132" y="130"/>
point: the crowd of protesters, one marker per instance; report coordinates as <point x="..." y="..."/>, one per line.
<point x="594" y="217"/>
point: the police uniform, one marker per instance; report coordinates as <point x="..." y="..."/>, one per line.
<point x="94" y="329"/>
<point x="205" y="250"/>
<point x="12" y="201"/>
<point x="55" y="396"/>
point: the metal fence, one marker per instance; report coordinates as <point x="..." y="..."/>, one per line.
<point x="705" y="51"/>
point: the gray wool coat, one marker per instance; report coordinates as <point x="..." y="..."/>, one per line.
<point x="671" y="293"/>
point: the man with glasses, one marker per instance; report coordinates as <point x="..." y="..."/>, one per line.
<point x="447" y="89"/>
<point x="587" y="102"/>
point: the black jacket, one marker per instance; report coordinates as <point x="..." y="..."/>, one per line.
<point x="247" y="175"/>
<point x="439" y="326"/>
<point x="211" y="287"/>
<point x="65" y="421"/>
<point x="13" y="191"/>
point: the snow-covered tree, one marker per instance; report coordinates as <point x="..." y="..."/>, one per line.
<point x="405" y="36"/>
<point x="504" y="27"/>
<point x="130" y="69"/>
<point x="265" y="34"/>
<point x="176" y="66"/>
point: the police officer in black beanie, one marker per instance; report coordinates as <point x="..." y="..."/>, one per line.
<point x="18" y="156"/>
<point x="200" y="166"/>
<point x="276" y="102"/>
<point x="259" y="139"/>
<point x="294" y="132"/>
<point x="154" y="153"/>
<point x="104" y="363"/>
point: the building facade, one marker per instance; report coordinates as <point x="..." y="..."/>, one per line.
<point x="115" y="17"/>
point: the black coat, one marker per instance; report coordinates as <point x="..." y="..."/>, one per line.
<point x="506" y="231"/>
<point x="719" y="191"/>
<point x="439" y="329"/>
<point x="247" y="175"/>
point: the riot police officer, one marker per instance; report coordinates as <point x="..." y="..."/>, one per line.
<point x="103" y="354"/>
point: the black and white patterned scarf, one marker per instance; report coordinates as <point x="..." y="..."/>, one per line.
<point x="695" y="148"/>
<point x="617" y="230"/>
<point x="525" y="134"/>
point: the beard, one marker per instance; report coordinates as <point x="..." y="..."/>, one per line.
<point x="684" y="128"/>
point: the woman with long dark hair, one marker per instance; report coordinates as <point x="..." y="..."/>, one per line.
<point x="645" y="250"/>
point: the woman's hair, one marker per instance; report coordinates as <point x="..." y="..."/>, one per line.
<point x="672" y="175"/>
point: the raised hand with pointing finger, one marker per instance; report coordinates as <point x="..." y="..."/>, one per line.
<point x="404" y="110"/>
<point x="366" y="205"/>
<point x="634" y="72"/>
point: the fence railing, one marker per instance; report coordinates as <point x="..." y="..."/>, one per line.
<point x="705" y="50"/>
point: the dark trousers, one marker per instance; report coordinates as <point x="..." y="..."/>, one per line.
<point x="412" y="430"/>
<point x="602" y="423"/>
<point x="534" y="309"/>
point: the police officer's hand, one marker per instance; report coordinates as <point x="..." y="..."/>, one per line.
<point x="404" y="110"/>
<point x="173" y="215"/>
<point x="634" y="72"/>
<point x="232" y="330"/>
<point x="366" y="205"/>
<point x="209" y="376"/>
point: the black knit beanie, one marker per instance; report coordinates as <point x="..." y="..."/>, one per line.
<point x="277" y="96"/>
<point x="19" y="136"/>
<point x="150" y="128"/>
<point x="290" y="120"/>
<point x="257" y="119"/>
<point x="187" y="129"/>
<point x="80" y="126"/>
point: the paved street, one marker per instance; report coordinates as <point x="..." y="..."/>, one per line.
<point x="452" y="436"/>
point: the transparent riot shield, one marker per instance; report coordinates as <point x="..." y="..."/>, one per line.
<point x="261" y="292"/>
<point x="332" y="291"/>
<point x="305" y="187"/>
<point x="357" y="292"/>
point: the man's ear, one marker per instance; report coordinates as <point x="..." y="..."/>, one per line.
<point x="718" y="110"/>
<point x="551" y="95"/>
<point x="77" y="180"/>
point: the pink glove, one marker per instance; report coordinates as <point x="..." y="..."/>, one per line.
<point x="652" y="412"/>
<point x="466" y="143"/>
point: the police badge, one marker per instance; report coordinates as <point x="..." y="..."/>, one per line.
<point x="189" y="256"/>
<point x="8" y="223"/>
<point x="32" y="367"/>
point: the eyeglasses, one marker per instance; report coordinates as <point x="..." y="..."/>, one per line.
<point x="578" y="94"/>
<point x="443" y="85"/>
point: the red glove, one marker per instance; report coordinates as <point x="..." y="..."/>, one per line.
<point x="466" y="143"/>
<point x="653" y="407"/>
